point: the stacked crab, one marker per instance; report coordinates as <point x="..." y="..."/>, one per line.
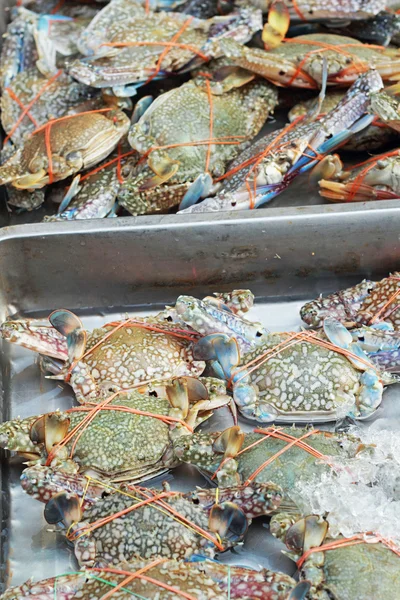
<point x="144" y="386"/>
<point x="83" y="131"/>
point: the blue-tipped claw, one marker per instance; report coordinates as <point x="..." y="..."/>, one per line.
<point x="228" y="354"/>
<point x="200" y="188"/>
<point x="71" y="327"/>
<point x="337" y="333"/>
<point x="71" y="193"/>
<point x="140" y="108"/>
<point x="204" y="348"/>
<point x="300" y="591"/>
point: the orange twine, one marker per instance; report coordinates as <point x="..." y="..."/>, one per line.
<point x="93" y="410"/>
<point x="359" y="538"/>
<point x="285" y="437"/>
<point x="139" y="574"/>
<point x="152" y="499"/>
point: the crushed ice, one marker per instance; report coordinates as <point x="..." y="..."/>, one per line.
<point x="361" y="494"/>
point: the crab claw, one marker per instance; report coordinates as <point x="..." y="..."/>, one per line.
<point x="69" y="325"/>
<point x="330" y="166"/>
<point x="306" y="533"/>
<point x="63" y="508"/>
<point x="49" y="430"/>
<point x="200" y="188"/>
<point x="337" y="333"/>
<point x="228" y="520"/>
<point x="140" y="108"/>
<point x="229" y="442"/>
<point x="300" y="591"/>
<point x="278" y="24"/>
<point x="370" y="395"/>
<point x="222" y="350"/>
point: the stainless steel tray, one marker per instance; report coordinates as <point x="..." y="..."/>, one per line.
<point x="102" y="269"/>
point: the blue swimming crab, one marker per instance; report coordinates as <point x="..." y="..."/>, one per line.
<point x="159" y="579"/>
<point x="300" y="376"/>
<point x="287" y="457"/>
<point x="142" y="447"/>
<point x="128" y="353"/>
<point x="366" y="303"/>
<point x="153" y="523"/>
<point x="55" y="96"/>
<point x="298" y="61"/>
<point x="328" y="564"/>
<point x="94" y="194"/>
<point x="267" y="168"/>
<point x="172" y="137"/>
<point x="153" y="45"/>
<point x="64" y="147"/>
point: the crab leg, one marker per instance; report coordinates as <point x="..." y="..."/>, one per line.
<point x="39" y="338"/>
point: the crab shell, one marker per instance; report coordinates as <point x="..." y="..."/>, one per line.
<point x="77" y="142"/>
<point x="131" y="54"/>
<point x="128" y="357"/>
<point x="310" y="10"/>
<point x="54" y="100"/>
<point x="356" y="305"/>
<point x="115" y="446"/>
<point x="298" y="62"/>
<point x="66" y="586"/>
<point x="331" y="572"/>
<point x="304" y="382"/>
<point x="205" y="580"/>
<point x="205" y="452"/>
<point x="182" y="116"/>
<point x="148" y="530"/>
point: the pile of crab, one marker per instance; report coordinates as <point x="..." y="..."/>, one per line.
<point x="145" y="106"/>
<point x="146" y="385"/>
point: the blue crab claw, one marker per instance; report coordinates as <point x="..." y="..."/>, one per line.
<point x="73" y="189"/>
<point x="306" y="533"/>
<point x="200" y="188"/>
<point x="49" y="429"/>
<point x="305" y="163"/>
<point x="300" y="591"/>
<point x="71" y="326"/>
<point x="140" y="108"/>
<point x="229" y="442"/>
<point x="204" y="348"/>
<point x="228" y="520"/>
<point x="227" y="354"/>
<point x="337" y="333"/>
<point x="370" y="394"/>
<point x="63" y="508"/>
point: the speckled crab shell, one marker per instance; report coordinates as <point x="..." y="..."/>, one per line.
<point x="182" y="116"/>
<point x="305" y="382"/>
<point x="202" y="451"/>
<point x="81" y="141"/>
<point x="54" y="99"/>
<point x="205" y="580"/>
<point x="357" y="305"/>
<point x="116" y="445"/>
<point x="331" y="571"/>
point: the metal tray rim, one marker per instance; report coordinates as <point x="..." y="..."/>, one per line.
<point x="267" y="216"/>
